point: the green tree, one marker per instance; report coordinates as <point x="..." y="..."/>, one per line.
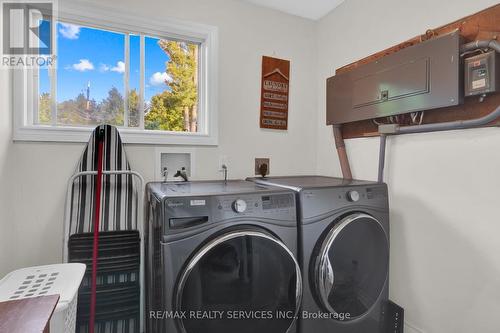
<point x="44" y="109"/>
<point x="176" y="108"/>
<point x="165" y="113"/>
<point x="112" y="109"/>
<point x="133" y="107"/>
<point x="78" y="111"/>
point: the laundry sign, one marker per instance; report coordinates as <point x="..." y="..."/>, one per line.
<point x="274" y="93"/>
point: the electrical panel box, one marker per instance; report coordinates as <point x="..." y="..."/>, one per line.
<point x="420" y="77"/>
<point x="482" y="74"/>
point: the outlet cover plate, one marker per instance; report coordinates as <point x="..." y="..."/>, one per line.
<point x="259" y="162"/>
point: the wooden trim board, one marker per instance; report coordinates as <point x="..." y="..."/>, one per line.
<point x="27" y="315"/>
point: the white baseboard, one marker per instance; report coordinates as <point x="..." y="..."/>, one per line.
<point x="410" y="328"/>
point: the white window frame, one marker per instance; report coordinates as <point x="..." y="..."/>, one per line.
<point x="95" y="15"/>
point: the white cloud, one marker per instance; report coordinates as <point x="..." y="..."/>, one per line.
<point x="119" y="68"/>
<point x="104" y="68"/>
<point x="159" y="78"/>
<point x="69" y="31"/>
<point x="83" y="65"/>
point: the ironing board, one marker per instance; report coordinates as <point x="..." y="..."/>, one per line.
<point x="116" y="250"/>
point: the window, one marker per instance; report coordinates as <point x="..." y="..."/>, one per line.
<point x="155" y="81"/>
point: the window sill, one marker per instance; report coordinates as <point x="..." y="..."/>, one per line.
<point x="82" y="134"/>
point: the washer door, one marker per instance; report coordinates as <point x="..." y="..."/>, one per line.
<point x="242" y="281"/>
<point x="351" y="266"/>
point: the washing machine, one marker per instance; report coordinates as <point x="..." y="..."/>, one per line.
<point x="221" y="258"/>
<point x="344" y="252"/>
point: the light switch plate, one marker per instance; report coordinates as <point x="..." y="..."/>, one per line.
<point x="259" y="162"/>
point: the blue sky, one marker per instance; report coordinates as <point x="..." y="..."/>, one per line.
<point x="96" y="56"/>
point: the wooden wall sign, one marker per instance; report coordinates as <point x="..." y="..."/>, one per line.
<point x="274" y="93"/>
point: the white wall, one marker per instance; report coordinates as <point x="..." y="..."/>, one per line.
<point x="5" y="128"/>
<point x="443" y="186"/>
<point x="33" y="175"/>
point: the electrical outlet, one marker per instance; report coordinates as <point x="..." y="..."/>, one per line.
<point x="258" y="164"/>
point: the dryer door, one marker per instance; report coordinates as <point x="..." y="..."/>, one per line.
<point x="242" y="281"/>
<point x="351" y="266"/>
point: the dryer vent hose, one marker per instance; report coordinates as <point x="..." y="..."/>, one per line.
<point x="381" y="158"/>
<point x="341" y="151"/>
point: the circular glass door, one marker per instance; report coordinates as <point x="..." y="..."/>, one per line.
<point x="351" y="266"/>
<point x="242" y="281"/>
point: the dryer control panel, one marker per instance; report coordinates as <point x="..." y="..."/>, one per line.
<point x="186" y="212"/>
<point x="320" y="202"/>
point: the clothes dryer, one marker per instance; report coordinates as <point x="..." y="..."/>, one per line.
<point x="344" y="252"/>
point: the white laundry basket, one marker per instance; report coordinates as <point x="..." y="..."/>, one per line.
<point x="62" y="279"/>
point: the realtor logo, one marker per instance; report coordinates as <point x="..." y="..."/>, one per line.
<point x="27" y="30"/>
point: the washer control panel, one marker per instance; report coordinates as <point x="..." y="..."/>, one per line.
<point x="353" y="196"/>
<point x="255" y="205"/>
<point x="239" y="205"/>
<point x="191" y="211"/>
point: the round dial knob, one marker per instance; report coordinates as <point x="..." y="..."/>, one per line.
<point x="353" y="196"/>
<point x="239" y="206"/>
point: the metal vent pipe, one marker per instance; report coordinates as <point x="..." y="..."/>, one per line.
<point x="341" y="151"/>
